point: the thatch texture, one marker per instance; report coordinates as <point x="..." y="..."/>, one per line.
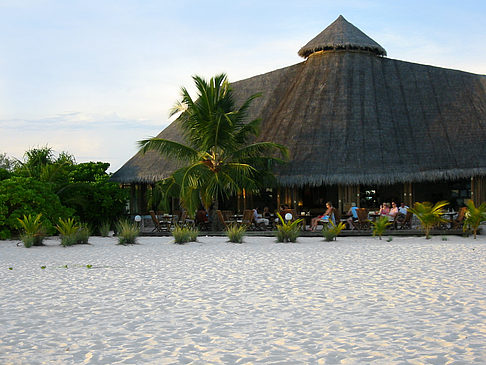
<point x="341" y="35"/>
<point x="355" y="118"/>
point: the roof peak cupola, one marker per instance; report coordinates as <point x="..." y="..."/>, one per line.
<point x="341" y="35"/>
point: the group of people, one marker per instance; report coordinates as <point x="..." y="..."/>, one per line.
<point x="392" y="211"/>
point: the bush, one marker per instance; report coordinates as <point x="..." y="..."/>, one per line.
<point x="193" y="234"/>
<point x="21" y="196"/>
<point x="105" y="229"/>
<point x="82" y="235"/>
<point x="181" y="234"/>
<point x="33" y="231"/>
<point x="332" y="231"/>
<point x="288" y="231"/>
<point x="236" y="233"/>
<point x="474" y="216"/>
<point x="429" y="215"/>
<point x="127" y="232"/>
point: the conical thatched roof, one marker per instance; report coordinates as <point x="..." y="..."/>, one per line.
<point x="354" y="118"/>
<point x="341" y="34"/>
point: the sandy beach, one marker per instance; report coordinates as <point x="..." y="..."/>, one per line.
<point x="352" y="301"/>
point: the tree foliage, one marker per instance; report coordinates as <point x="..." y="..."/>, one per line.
<point x="219" y="159"/>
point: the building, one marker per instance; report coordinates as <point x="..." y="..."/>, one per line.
<point x="360" y="127"/>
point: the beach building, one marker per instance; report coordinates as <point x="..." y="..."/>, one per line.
<point x="360" y="127"/>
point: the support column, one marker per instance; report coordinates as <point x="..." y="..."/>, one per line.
<point x="478" y="189"/>
<point x="347" y="194"/>
<point x="408" y="194"/>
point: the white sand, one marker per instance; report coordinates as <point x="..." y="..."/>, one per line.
<point x="356" y="300"/>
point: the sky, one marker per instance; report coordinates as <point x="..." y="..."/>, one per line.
<point x="91" y="78"/>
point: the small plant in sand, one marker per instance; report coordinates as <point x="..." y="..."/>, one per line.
<point x="288" y="231"/>
<point x="429" y="215"/>
<point x="474" y="216"/>
<point x="389" y="239"/>
<point x="236" y="233"/>
<point x="331" y="231"/>
<point x="379" y="226"/>
<point x="193" y="234"/>
<point x="105" y="229"/>
<point x="181" y="234"/>
<point x="127" y="232"/>
<point x="33" y="231"/>
<point x="83" y="233"/>
<point x="68" y="230"/>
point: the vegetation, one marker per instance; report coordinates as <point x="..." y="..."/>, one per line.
<point x="331" y="231"/>
<point x="474" y="216"/>
<point x="105" y="229"/>
<point x="218" y="159"/>
<point x="72" y="233"/>
<point x="33" y="230"/>
<point x="236" y="233"/>
<point x="429" y="215"/>
<point x="56" y="187"/>
<point x="379" y="226"/>
<point x="127" y="232"/>
<point x="184" y="234"/>
<point x="288" y="231"/>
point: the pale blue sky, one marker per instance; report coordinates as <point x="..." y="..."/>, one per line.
<point x="93" y="77"/>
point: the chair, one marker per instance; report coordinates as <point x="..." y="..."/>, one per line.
<point x="406" y="223"/>
<point x="159" y="226"/>
<point x="221" y="221"/>
<point x="459" y="221"/>
<point x="363" y="222"/>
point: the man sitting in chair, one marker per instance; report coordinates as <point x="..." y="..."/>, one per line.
<point x="353" y="215"/>
<point x="258" y="219"/>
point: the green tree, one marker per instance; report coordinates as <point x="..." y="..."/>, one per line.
<point x="23" y="196"/>
<point x="474" y="216"/>
<point x="429" y="215"/>
<point x="219" y="160"/>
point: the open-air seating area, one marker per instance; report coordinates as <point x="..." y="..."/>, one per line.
<point x="165" y="223"/>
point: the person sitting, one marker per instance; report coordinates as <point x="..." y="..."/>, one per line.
<point x="201" y="218"/>
<point x="384" y="209"/>
<point x="402" y="209"/>
<point x="353" y="215"/>
<point x="258" y="219"/>
<point x="328" y="215"/>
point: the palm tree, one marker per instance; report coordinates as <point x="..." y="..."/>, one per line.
<point x="220" y="161"/>
<point x="429" y="215"/>
<point x="474" y="216"/>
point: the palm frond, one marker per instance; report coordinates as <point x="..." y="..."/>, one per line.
<point x="168" y="148"/>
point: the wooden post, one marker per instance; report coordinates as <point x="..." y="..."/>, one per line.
<point x="407" y="194"/>
<point x="347" y="194"/>
<point x="478" y="189"/>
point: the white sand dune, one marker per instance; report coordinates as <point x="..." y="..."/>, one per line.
<point x="355" y="300"/>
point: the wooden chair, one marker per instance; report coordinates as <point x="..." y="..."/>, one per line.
<point x="159" y="226"/>
<point x="459" y="221"/>
<point x="363" y="222"/>
<point x="406" y="223"/>
<point x="221" y="222"/>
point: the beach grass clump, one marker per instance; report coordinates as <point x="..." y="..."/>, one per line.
<point x="236" y="233"/>
<point x="105" y="229"/>
<point x="127" y="232"/>
<point x="83" y="233"/>
<point x="288" y="231"/>
<point x="331" y="231"/>
<point x="181" y="235"/>
<point x="379" y="226"/>
<point x="193" y="234"/>
<point x="33" y="230"/>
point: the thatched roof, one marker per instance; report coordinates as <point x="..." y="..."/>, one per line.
<point x="340" y="35"/>
<point x="351" y="117"/>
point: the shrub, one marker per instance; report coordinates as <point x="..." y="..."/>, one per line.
<point x="379" y="226"/>
<point x="105" y="229"/>
<point x="429" y="215"/>
<point x="288" y="231"/>
<point x="33" y="231"/>
<point x="68" y="230"/>
<point x="332" y="231"/>
<point x="20" y="196"/>
<point x="236" y="233"/>
<point x="181" y="234"/>
<point x="127" y="232"/>
<point x="82" y="235"/>
<point x="193" y="234"/>
<point x="474" y="216"/>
